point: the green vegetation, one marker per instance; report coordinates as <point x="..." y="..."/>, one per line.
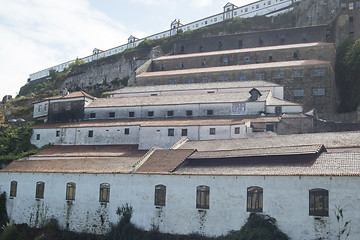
<point x="347" y="70"/>
<point x="3" y="215"/>
<point x="257" y="227"/>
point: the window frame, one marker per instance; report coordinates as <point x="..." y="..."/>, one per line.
<point x="212" y="131"/>
<point x="40" y="189"/>
<point x="127" y="131"/>
<point x="160" y="195"/>
<point x="210" y="112"/>
<point x="171" y="132"/>
<point x="92" y="115"/>
<point x="111" y="114"/>
<point x="254" y="199"/>
<point x="70" y="191"/>
<point x="13" y="189"/>
<point x="189" y="113"/>
<point x="184" y="132"/>
<point x="91" y="133"/>
<point x="323" y="196"/>
<point x="104" y="193"/>
<point x="170" y="113"/>
<point x="131" y="114"/>
<point x="203" y="197"/>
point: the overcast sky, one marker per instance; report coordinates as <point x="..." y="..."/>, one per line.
<point x="37" y="34"/>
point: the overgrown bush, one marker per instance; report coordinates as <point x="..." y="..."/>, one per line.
<point x="3" y="214"/>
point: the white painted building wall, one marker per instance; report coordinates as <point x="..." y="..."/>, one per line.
<point x="41" y="109"/>
<point x="259" y="8"/>
<point x="285" y="109"/>
<point x="286" y="198"/>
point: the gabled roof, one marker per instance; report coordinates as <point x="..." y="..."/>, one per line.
<point x="68" y="96"/>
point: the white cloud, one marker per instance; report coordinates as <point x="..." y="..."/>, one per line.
<point x="37" y="34"/>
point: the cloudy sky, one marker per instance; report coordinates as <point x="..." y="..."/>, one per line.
<point x="37" y="34"/>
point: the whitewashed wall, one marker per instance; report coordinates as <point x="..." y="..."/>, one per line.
<point x="41" y="109"/>
<point x="286" y="198"/>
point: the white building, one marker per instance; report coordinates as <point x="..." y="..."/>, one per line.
<point x="209" y="187"/>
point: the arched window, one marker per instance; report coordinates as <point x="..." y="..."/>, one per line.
<point x="318" y="202"/>
<point x="40" y="186"/>
<point x="104" y="195"/>
<point x="70" y="191"/>
<point x="160" y="195"/>
<point x="254" y="199"/>
<point x="203" y="197"/>
<point x="13" y="188"/>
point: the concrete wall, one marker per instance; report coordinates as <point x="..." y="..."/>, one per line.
<point x="41" y="109"/>
<point x="286" y="198"/>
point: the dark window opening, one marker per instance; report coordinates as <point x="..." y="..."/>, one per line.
<point x="40" y="186"/>
<point x="58" y="133"/>
<point x="37" y="136"/>
<point x="160" y="195"/>
<point x="318" y="202"/>
<point x="150" y="113"/>
<point x="261" y="42"/>
<point x="210" y="112"/>
<point x="254" y="199"/>
<point x="189" y="113"/>
<point x="212" y="131"/>
<point x="240" y="43"/>
<point x="92" y="115"/>
<point x="295" y="55"/>
<point x="237" y="130"/>
<point x="13" y="188"/>
<point x="170" y="113"/>
<point x="270" y="128"/>
<point x="70" y="191"/>
<point x="131" y="114"/>
<point x="111" y="114"/>
<point x="270" y="58"/>
<point x="127" y="131"/>
<point x="220" y="45"/>
<point x="104" y="194"/>
<point x="278" y="111"/>
<point x="171" y="132"/>
<point x="201" y="48"/>
<point x="203" y="197"/>
<point x="91" y="133"/>
<point x="183" y="132"/>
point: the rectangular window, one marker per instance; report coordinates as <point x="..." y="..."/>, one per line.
<point x="210" y="112"/>
<point x="38" y="136"/>
<point x="127" y="131"/>
<point x="278" y="111"/>
<point x="91" y="133"/>
<point x="318" y="202"/>
<point x="57" y="133"/>
<point x="225" y="61"/>
<point x="247" y="59"/>
<point x="131" y="114"/>
<point x="170" y="113"/>
<point x="104" y="195"/>
<point x="171" y="132"/>
<point x="70" y="191"/>
<point x="223" y="79"/>
<point x="321" y="53"/>
<point x="270" y="128"/>
<point x="343" y="5"/>
<point x="189" y="113"/>
<point x="298" y="92"/>
<point x="13" y="188"/>
<point x="260" y="76"/>
<point x="111" y="114"/>
<point x="279" y="75"/>
<point x="241" y="77"/>
<point x="92" y="115"/>
<point x="212" y="131"/>
<point x="206" y="80"/>
<point x="183" y="132"/>
<point x="39" y="108"/>
<point x="40" y="186"/>
<point x="319" y="91"/>
<point x="160" y="195"/>
<point x="68" y="106"/>
<point x="237" y="130"/>
<point x="172" y="81"/>
<point x="298" y="74"/>
<point x="203" y="197"/>
<point x="189" y="80"/>
<point x="319" y="72"/>
<point x="150" y="83"/>
<point x="254" y="199"/>
<point x="150" y="113"/>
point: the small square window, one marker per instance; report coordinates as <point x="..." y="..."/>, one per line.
<point x="212" y="131"/>
<point x="127" y="131"/>
<point x="45" y="107"/>
<point x="298" y="74"/>
<point x="37" y="136"/>
<point x="189" y="113"/>
<point x="171" y="132"/>
<point x="111" y="114"/>
<point x="131" y="114"/>
<point x="92" y="115"/>
<point x="183" y="132"/>
<point x="270" y="128"/>
<point x="210" y="112"/>
<point x="91" y="133"/>
<point x="170" y="113"/>
<point x="150" y="113"/>
<point x="172" y="81"/>
<point x="237" y="130"/>
<point x="189" y="80"/>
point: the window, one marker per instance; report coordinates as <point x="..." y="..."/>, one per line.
<point x="321" y="53"/>
<point x="189" y="80"/>
<point x="40" y="186"/>
<point x="298" y="92"/>
<point x="212" y="131"/>
<point x="170" y="113"/>
<point x="171" y="132"/>
<point x="223" y="79"/>
<point x="270" y="57"/>
<point x="127" y="131"/>
<point x="319" y="91"/>
<point x="91" y="133"/>
<point x="68" y="106"/>
<point x="172" y="81"/>
<point x="298" y="74"/>
<point x="270" y="128"/>
<point x="206" y="80"/>
<point x="203" y="62"/>
<point x="318" y="202"/>
<point x="111" y="114"/>
<point x="304" y="37"/>
<point x="247" y="59"/>
<point x="220" y="45"/>
<point x="240" y="43"/>
<point x="162" y="66"/>
<point x="278" y="111"/>
<point x="241" y="77"/>
<point x="210" y="112"/>
<point x="13" y="188"/>
<point x="39" y="108"/>
<point x="202" y="197"/>
<point x="104" y="195"/>
<point x="56" y="106"/>
<point x="183" y="132"/>
<point x="38" y="136"/>
<point x="70" y="191"/>
<point x="131" y="114"/>
<point x="58" y="133"/>
<point x="319" y="72"/>
<point x="92" y="115"/>
<point x="237" y="130"/>
<point x="279" y="75"/>
<point x="260" y="76"/>
<point x="189" y="113"/>
<point x="254" y="199"/>
<point x="295" y="55"/>
<point x="150" y="83"/>
<point x="225" y="61"/>
<point x="351" y="6"/>
<point x="182" y="65"/>
<point x="150" y="113"/>
<point x="160" y="195"/>
<point x="45" y="107"/>
<point x="182" y="49"/>
<point x="201" y="48"/>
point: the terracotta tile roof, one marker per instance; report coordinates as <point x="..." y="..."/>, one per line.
<point x="245" y="50"/>
<point x="164" y="161"/>
<point x="329" y="140"/>
<point x="175" y="99"/>
<point x="327" y="164"/>
<point x="195" y="86"/>
<point x="234" y="68"/>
